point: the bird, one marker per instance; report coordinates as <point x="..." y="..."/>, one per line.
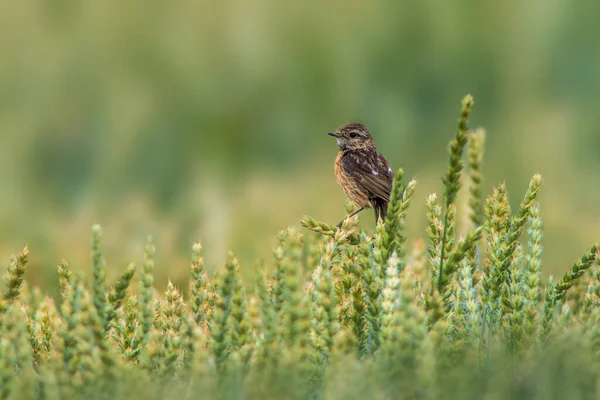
<point x="363" y="173"/>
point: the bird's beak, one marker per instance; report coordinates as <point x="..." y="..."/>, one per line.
<point x="334" y="134"/>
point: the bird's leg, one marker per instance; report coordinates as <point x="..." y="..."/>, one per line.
<point x="350" y="216"/>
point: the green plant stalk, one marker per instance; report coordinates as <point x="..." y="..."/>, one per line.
<point x="475" y="159"/>
<point x="451" y="181"/>
<point x="391" y="225"/>
<point x="497" y="212"/>
<point x="434" y="232"/>
<point x="330" y="230"/>
<point x="99" y="274"/>
<point x="394" y="230"/>
<point x="197" y="284"/>
<point x="221" y="344"/>
<point x="372" y="285"/>
<point x="267" y="349"/>
<point x="390" y="329"/>
<point x="557" y="291"/>
<point x="532" y="279"/>
<point x="145" y="300"/>
<point x="65" y="277"/>
<point x="71" y="311"/>
<point x="117" y="293"/>
<point x="173" y="330"/>
<point x="14" y="275"/>
<point x="126" y="329"/>
<point x="242" y="333"/>
<point x="278" y="286"/>
<point x="454" y="261"/>
<point x="324" y="315"/>
<point x="516" y="226"/>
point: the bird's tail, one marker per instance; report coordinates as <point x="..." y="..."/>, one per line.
<point x="380" y="208"/>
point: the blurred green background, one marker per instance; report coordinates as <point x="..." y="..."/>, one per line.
<point x="204" y="120"/>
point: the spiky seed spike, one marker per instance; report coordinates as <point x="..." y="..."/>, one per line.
<point x="451" y="182"/>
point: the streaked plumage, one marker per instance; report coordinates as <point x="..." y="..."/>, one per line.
<point x="363" y="174"/>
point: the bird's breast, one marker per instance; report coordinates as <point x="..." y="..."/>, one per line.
<point x="349" y="184"/>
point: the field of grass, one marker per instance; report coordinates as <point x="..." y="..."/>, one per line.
<point x="338" y="313"/>
<point x="203" y="120"/>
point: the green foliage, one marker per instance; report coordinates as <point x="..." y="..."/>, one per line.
<point x="99" y="272"/>
<point x="476" y="142"/>
<point x="118" y="292"/>
<point x="342" y="314"/>
<point x="198" y="281"/>
<point x="14" y="278"/>
<point x="451" y="184"/>
<point x="145" y="300"/>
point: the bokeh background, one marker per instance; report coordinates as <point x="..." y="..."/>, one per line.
<point x="204" y="120"/>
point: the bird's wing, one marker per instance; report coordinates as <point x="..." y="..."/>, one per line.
<point x="370" y="171"/>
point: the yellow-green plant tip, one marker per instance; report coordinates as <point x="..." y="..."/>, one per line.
<point x="219" y="326"/>
<point x="531" y="289"/>
<point x="14" y="276"/>
<point x="505" y="254"/>
<point x="117" y="293"/>
<point x="198" y="298"/>
<point x="99" y="275"/>
<point x="146" y="297"/>
<point x="324" y="313"/>
<point x="451" y="184"/>
<point x="394" y="228"/>
<point x="475" y="160"/>
<point x="556" y="292"/>
<point x="467" y="103"/>
<point x="454" y="261"/>
<point x="323" y="228"/>
<point x="241" y="327"/>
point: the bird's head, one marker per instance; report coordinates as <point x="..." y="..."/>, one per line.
<point x="353" y="136"/>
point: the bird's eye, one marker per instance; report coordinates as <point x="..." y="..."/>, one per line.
<point x="353" y="135"/>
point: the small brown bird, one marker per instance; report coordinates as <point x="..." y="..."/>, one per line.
<point x="362" y="173"/>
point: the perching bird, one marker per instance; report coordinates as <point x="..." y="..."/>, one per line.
<point x="362" y="173"/>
